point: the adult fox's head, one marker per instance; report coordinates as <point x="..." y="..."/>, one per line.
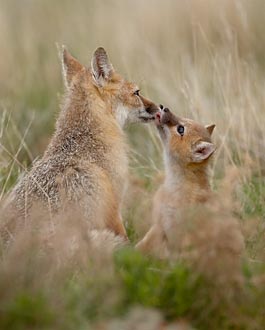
<point x="122" y="98"/>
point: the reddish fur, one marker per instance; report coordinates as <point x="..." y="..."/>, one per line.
<point x="85" y="164"/>
<point x="186" y="182"/>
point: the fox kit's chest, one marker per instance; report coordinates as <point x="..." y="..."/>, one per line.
<point x="170" y="201"/>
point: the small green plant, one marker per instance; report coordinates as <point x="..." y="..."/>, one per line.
<point x="26" y="311"/>
<point x="254" y="197"/>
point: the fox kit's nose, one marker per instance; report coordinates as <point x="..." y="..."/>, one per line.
<point x="163" y="108"/>
<point x="168" y="118"/>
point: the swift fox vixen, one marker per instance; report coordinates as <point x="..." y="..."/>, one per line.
<point x="85" y="164"/>
<point x="187" y="149"/>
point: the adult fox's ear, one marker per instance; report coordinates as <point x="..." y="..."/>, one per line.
<point x="210" y="128"/>
<point x="70" y="67"/>
<point x="102" y="69"/>
<point x="202" y="151"/>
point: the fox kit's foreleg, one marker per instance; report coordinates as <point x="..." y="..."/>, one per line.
<point x="154" y="242"/>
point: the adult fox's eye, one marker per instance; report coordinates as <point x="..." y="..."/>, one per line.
<point x="180" y="130"/>
<point x="137" y="92"/>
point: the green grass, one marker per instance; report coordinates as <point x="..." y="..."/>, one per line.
<point x="254" y="197"/>
<point x="27" y="311"/>
<point x="172" y="288"/>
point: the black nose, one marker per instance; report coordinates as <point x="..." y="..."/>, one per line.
<point x="166" y="110"/>
<point x="152" y="109"/>
<point x="161" y="106"/>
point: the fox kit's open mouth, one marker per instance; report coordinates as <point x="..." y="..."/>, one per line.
<point x="158" y="118"/>
<point x="159" y="124"/>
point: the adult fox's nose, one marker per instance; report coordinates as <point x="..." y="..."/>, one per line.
<point x="152" y="108"/>
<point x="149" y="106"/>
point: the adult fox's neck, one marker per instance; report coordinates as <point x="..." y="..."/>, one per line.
<point x="83" y="129"/>
<point x="189" y="183"/>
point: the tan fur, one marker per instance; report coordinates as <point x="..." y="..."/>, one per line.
<point x="191" y="223"/>
<point x="85" y="164"/>
<point x="186" y="181"/>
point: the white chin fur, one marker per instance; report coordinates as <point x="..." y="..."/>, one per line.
<point x="121" y="115"/>
<point x="163" y="132"/>
<point x="125" y="116"/>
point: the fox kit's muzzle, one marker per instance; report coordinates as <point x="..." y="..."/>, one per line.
<point x="166" y="117"/>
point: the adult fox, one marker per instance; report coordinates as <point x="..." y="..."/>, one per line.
<point x="85" y="165"/>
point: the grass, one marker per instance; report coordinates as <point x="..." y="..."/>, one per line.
<point x="202" y="59"/>
<point x="174" y="289"/>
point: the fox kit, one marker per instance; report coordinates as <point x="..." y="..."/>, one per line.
<point x="85" y="164"/>
<point x="187" y="149"/>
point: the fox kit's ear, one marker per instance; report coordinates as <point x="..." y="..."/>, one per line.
<point x="202" y="151"/>
<point x="70" y="67"/>
<point x="102" y="69"/>
<point x="210" y="128"/>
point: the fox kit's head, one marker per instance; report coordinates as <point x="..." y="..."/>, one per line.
<point x="122" y="98"/>
<point x="185" y="140"/>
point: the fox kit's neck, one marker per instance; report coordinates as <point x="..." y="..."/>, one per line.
<point x="189" y="182"/>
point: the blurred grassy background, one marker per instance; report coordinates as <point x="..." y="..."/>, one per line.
<point x="204" y="59"/>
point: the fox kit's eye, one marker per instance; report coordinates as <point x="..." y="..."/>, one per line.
<point x="137" y="92"/>
<point x="180" y="130"/>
